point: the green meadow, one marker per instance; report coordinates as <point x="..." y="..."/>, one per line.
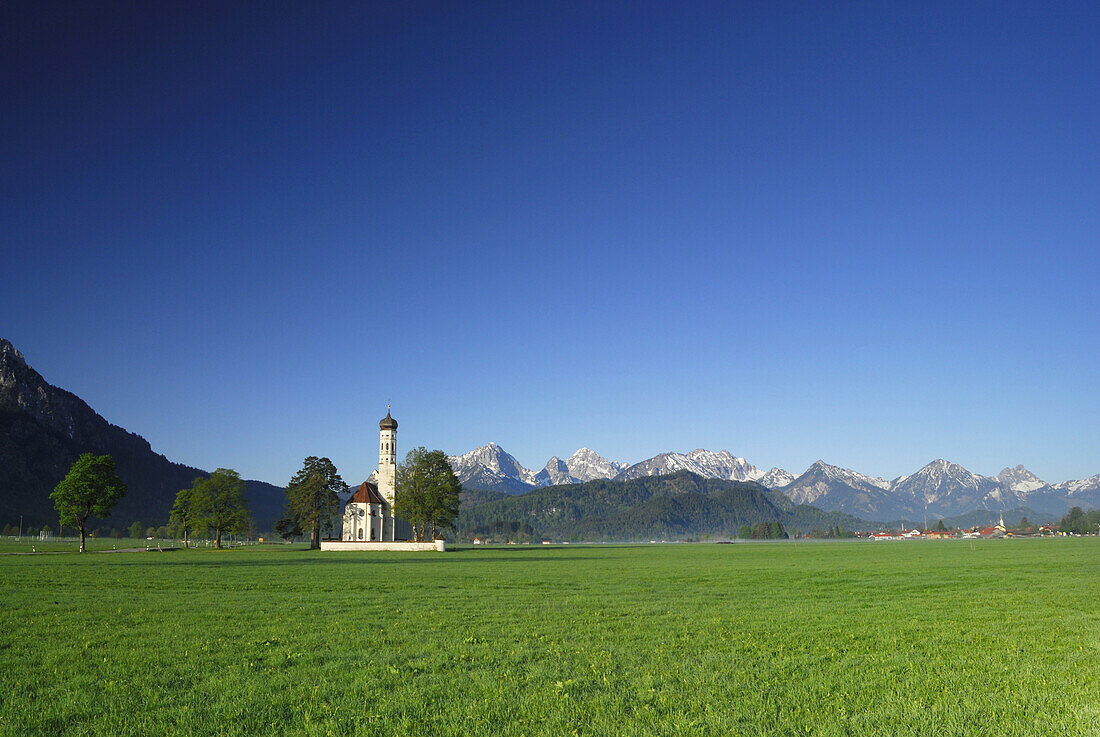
<point x="900" y="638"/>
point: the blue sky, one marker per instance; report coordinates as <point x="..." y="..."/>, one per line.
<point x="863" y="232"/>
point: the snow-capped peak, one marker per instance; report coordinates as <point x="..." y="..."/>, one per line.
<point x="1020" y="479"/>
<point x="1079" y="486"/>
<point x="846" y="475"/>
<point x="494" y="458"/>
<point x="725" y="465"/>
<point x="950" y="487"/>
<point x="776" y="477"/>
<point x="586" y="464"/>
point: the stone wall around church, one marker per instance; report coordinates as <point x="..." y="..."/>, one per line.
<point x="368" y="547"/>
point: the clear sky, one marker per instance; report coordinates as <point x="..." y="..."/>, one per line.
<point x="868" y="233"/>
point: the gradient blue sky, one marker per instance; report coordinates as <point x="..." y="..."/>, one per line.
<point x="860" y="232"/>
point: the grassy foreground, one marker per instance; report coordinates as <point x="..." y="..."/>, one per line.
<point x="915" y="638"/>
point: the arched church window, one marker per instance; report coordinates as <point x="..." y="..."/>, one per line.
<point x="360" y="533"/>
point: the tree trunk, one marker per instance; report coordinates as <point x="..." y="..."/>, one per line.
<point x="82" y="537"/>
<point x="185" y="545"/>
<point x="315" y="543"/>
<point x="218" y="539"/>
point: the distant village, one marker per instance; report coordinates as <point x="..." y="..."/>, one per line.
<point x="997" y="530"/>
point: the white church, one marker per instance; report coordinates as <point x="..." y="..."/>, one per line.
<point x="368" y="522"/>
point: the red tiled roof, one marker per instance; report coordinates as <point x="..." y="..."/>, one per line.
<point x="367" y="493"/>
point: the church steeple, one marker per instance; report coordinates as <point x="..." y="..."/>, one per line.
<point x="387" y="457"/>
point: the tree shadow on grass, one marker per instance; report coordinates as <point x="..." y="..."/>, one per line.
<point x="380" y="558"/>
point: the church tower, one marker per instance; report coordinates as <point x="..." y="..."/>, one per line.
<point x="387" y="458"/>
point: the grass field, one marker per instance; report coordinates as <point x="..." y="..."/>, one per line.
<point x="914" y="638"/>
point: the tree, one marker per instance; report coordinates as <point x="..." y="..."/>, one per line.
<point x="136" y="529"/>
<point x="311" y="498"/>
<point x="184" y="515"/>
<point x="217" y="503"/>
<point x="427" y="492"/>
<point x="287" y="528"/>
<point x="1074" y="521"/>
<point x="91" y="488"/>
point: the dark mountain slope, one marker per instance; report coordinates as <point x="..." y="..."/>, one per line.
<point x="43" y="429"/>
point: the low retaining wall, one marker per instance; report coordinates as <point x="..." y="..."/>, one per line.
<point x="365" y="546"/>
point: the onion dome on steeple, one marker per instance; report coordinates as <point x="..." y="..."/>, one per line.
<point x="388" y="423"/>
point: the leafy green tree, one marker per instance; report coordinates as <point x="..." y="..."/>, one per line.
<point x="311" y="498"/>
<point x="136" y="529"/>
<point x="427" y="492"/>
<point x="940" y="526"/>
<point x="217" y="503"/>
<point x="91" y="488"/>
<point x="184" y="515"/>
<point x="745" y="532"/>
<point x="1074" y="521"/>
<point x="1024" y="524"/>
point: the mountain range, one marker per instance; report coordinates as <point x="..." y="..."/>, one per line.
<point x="939" y="489"/>
<point x="674" y="506"/>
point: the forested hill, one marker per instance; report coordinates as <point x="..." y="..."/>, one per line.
<point x="43" y="429"/>
<point x="677" y="506"/>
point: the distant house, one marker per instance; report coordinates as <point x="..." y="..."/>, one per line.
<point x="883" y="536"/>
<point x="910" y="534"/>
<point x="938" y="534"/>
